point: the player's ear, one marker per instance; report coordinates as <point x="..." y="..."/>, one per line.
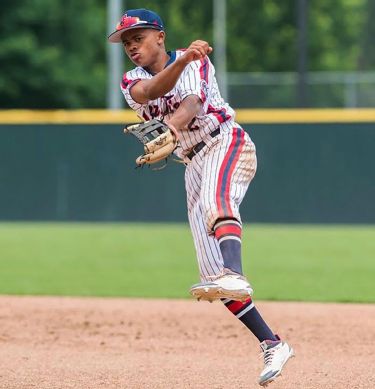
<point x="161" y="37"/>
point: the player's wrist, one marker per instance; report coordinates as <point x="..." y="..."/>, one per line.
<point x="183" y="60"/>
<point x="172" y="127"/>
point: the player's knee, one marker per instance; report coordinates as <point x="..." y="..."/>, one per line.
<point x="210" y="221"/>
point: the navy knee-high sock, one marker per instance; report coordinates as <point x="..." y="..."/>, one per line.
<point x="228" y="233"/>
<point x="251" y="318"/>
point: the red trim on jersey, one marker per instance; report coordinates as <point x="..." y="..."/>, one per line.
<point x="226" y="171"/>
<point x="219" y="113"/>
<point x="126" y="82"/>
<point x="145" y="116"/>
<point x="232" y="229"/>
<point x="203" y="71"/>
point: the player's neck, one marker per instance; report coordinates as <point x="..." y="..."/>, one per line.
<point x="159" y="64"/>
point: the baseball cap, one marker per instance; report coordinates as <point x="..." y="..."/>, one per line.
<point x="136" y="18"/>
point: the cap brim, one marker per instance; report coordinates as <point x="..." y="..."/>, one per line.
<point x="115" y="37"/>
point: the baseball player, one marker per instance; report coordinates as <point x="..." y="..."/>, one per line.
<point x="179" y="87"/>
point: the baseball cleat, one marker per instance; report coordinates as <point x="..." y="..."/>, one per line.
<point x="275" y="356"/>
<point x="229" y="285"/>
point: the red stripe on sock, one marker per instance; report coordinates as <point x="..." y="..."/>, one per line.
<point x="231" y="229"/>
<point x="236" y="306"/>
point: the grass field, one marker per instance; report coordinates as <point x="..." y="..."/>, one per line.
<point x="283" y="262"/>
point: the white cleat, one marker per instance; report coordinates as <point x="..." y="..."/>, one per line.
<point x="228" y="285"/>
<point x="275" y="356"/>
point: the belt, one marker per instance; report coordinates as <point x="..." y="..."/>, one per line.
<point x="199" y="146"/>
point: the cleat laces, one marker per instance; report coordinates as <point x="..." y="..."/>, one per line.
<point x="267" y="355"/>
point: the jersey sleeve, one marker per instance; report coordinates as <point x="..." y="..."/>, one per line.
<point x="197" y="79"/>
<point x="129" y="79"/>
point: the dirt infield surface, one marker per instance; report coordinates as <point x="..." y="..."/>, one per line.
<point x="51" y="342"/>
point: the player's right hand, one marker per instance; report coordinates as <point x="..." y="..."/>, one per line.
<point x="197" y="50"/>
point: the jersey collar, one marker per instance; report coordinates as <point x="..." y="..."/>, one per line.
<point x="172" y="58"/>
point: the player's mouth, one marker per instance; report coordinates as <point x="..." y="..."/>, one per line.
<point x="135" y="57"/>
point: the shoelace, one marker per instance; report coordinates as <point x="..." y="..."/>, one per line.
<point x="268" y="355"/>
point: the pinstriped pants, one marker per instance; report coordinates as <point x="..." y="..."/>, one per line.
<point x="216" y="182"/>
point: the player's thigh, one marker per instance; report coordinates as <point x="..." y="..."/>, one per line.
<point x="193" y="184"/>
<point x="229" y="167"/>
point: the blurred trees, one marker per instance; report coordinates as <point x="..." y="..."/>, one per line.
<point x="336" y="29"/>
<point x="53" y="53"/>
<point x="367" y="46"/>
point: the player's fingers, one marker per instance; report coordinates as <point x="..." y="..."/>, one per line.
<point x="201" y="45"/>
<point x="195" y="53"/>
<point x="206" y="48"/>
<point x="201" y="49"/>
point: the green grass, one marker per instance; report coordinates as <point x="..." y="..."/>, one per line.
<point x="283" y="262"/>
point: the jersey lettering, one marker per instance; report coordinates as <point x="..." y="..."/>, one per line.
<point x="198" y="78"/>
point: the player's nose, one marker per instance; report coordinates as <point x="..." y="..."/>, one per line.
<point x="132" y="47"/>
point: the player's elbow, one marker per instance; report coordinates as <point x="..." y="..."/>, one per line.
<point x="151" y="92"/>
<point x="144" y="91"/>
<point x="194" y="103"/>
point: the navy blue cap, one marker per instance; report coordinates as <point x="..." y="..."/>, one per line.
<point x="136" y="18"/>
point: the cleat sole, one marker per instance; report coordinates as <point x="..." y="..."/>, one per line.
<point x="213" y="292"/>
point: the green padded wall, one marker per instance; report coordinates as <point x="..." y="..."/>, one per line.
<point x="309" y="173"/>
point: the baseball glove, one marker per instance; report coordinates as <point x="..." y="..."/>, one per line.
<point x="158" y="140"/>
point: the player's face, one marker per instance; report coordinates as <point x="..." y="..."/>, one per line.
<point x="143" y="46"/>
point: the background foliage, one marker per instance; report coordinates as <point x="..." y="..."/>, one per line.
<point x="53" y="53"/>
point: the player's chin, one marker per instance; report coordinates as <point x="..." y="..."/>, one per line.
<point x="140" y="63"/>
<point x="137" y="60"/>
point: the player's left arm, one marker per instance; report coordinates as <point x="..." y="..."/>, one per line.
<point x="185" y="113"/>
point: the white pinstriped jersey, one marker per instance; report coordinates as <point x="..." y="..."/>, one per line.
<point x="198" y="78"/>
<point x="217" y="177"/>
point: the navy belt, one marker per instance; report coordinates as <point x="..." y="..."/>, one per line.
<point x="199" y="146"/>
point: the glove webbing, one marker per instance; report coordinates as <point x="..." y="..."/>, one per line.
<point x="149" y="132"/>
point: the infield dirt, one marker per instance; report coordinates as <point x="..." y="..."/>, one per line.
<point x="52" y="342"/>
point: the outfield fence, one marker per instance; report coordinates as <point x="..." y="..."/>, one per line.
<point x="314" y="166"/>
